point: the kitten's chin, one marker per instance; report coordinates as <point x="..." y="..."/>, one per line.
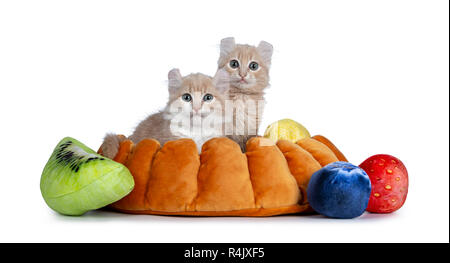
<point x="200" y="115"/>
<point x="244" y="85"/>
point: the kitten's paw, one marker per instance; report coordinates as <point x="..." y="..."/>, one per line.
<point x="111" y="144"/>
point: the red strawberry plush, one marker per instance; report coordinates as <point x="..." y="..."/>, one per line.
<point x="389" y="180"/>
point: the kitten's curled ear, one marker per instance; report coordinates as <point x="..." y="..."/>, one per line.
<point x="221" y="80"/>
<point x="175" y="79"/>
<point x="226" y="46"/>
<point x="265" y="51"/>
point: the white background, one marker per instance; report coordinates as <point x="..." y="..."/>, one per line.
<point x="370" y="75"/>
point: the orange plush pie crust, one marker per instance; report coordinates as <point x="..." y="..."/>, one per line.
<point x="269" y="179"/>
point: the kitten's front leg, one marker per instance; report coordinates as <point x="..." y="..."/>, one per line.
<point x="111" y="144"/>
<point x="241" y="140"/>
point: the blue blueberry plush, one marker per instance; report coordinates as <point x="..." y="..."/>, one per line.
<point x="339" y="190"/>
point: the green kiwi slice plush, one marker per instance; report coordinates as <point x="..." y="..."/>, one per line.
<point x="76" y="179"/>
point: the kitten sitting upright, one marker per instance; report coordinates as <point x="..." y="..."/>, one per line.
<point x="248" y="67"/>
<point x="194" y="110"/>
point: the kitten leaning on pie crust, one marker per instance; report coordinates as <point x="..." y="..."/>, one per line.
<point x="248" y="67"/>
<point x="163" y="125"/>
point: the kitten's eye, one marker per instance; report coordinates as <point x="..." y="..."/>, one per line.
<point x="234" y="63"/>
<point x="186" y="97"/>
<point x="208" y="97"/>
<point x="253" y="66"/>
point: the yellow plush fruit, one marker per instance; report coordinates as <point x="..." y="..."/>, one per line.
<point x="286" y="129"/>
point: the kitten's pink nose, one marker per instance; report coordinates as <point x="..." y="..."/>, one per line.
<point x="242" y="74"/>
<point x="196" y="110"/>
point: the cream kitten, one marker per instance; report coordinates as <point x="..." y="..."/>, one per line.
<point x="194" y="110"/>
<point x="248" y="67"/>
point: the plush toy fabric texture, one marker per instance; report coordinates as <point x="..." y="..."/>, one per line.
<point x="269" y="179"/>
